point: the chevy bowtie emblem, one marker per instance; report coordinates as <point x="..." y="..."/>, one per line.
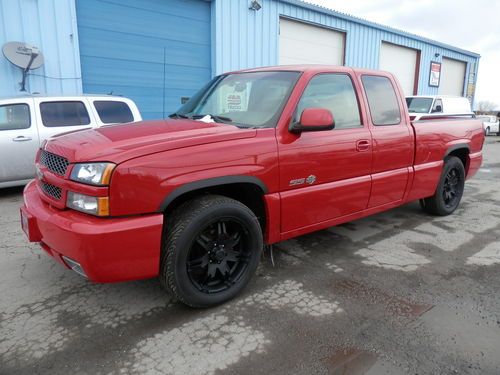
<point x="311" y="179"/>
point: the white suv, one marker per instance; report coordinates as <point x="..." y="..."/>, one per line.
<point x="26" y="121"/>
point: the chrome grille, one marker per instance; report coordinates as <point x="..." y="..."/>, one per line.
<point x="54" y="163"/>
<point x="51" y="190"/>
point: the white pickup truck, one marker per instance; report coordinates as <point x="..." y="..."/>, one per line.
<point x="26" y="121"/>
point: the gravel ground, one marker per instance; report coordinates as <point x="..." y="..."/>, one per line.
<point x="396" y="293"/>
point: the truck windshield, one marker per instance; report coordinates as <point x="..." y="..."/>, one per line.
<point x="252" y="99"/>
<point x="419" y="105"/>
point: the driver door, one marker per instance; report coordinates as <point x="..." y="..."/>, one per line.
<point x="325" y="174"/>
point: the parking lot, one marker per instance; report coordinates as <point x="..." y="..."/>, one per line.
<point x="396" y="293"/>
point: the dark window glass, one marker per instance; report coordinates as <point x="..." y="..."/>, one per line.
<point x="14" y="116"/>
<point x="64" y="114"/>
<point x="113" y="112"/>
<point x="382" y="100"/>
<point x="334" y="92"/>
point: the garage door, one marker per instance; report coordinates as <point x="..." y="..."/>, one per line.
<point x="301" y="43"/>
<point x="402" y="62"/>
<point x="452" y="77"/>
<point x="153" y="51"/>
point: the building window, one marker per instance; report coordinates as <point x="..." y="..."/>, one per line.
<point x="382" y="100"/>
<point x="68" y="113"/>
<point x="334" y="92"/>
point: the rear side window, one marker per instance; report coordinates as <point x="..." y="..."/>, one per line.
<point x="111" y="112"/>
<point x="14" y="116"/>
<point x="68" y="113"/>
<point x="334" y="92"/>
<point x="382" y="100"/>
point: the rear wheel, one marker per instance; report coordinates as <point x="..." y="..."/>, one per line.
<point x="487" y="131"/>
<point x="449" y="190"/>
<point x="211" y="250"/>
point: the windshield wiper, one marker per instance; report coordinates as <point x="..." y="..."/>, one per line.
<point x="178" y="115"/>
<point x="216" y="118"/>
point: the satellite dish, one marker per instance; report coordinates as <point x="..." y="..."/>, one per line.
<point x="24" y="56"/>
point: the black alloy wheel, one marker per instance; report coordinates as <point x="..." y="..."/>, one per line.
<point x="218" y="256"/>
<point x="211" y="249"/>
<point x="449" y="191"/>
<point x="451" y="188"/>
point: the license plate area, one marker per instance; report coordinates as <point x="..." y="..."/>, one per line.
<point x="28" y="224"/>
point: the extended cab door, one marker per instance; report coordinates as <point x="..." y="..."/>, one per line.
<point x="18" y="140"/>
<point x="61" y="115"/>
<point x="325" y="174"/>
<point x="393" y="139"/>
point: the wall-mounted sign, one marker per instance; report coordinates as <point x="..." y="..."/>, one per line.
<point x="435" y="74"/>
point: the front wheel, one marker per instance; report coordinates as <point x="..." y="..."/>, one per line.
<point x="211" y="250"/>
<point x="487" y="131"/>
<point x="449" y="190"/>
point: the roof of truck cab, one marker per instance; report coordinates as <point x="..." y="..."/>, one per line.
<point x="308" y="68"/>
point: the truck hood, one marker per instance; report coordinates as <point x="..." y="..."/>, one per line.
<point x="118" y="143"/>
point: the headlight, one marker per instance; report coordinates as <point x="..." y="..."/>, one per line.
<point x="98" y="174"/>
<point x="98" y="206"/>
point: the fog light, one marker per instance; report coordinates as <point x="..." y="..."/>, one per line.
<point x="98" y="206"/>
<point x="75" y="266"/>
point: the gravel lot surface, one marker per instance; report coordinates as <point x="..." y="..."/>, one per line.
<point x="396" y="293"/>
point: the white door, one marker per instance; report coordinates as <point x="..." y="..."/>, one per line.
<point x="18" y="141"/>
<point x="302" y="43"/>
<point x="452" y="77"/>
<point x="402" y="62"/>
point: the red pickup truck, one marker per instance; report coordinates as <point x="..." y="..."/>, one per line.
<point x="255" y="157"/>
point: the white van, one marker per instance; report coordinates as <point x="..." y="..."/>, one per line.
<point x="431" y="105"/>
<point x="26" y="121"/>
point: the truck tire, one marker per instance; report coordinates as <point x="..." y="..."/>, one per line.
<point x="449" y="190"/>
<point x="487" y="131"/>
<point x="212" y="247"/>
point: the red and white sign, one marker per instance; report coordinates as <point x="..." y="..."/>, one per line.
<point x="435" y="74"/>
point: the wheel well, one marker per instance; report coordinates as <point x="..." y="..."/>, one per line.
<point x="463" y="155"/>
<point x="251" y="195"/>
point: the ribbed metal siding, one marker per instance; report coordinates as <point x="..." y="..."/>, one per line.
<point x="153" y="51"/>
<point x="246" y="38"/>
<point x="51" y="26"/>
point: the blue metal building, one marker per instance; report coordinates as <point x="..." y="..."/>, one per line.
<point x="158" y="51"/>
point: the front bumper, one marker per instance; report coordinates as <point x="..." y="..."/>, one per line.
<point x="108" y="249"/>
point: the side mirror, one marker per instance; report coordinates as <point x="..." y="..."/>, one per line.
<point x="437" y="109"/>
<point x="313" y="119"/>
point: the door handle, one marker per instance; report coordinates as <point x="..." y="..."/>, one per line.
<point x="363" y="145"/>
<point x="22" y="138"/>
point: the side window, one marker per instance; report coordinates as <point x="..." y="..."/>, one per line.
<point x="112" y="112"/>
<point x="382" y="100"/>
<point x="334" y="92"/>
<point x="14" y="116"/>
<point x="67" y="113"/>
<point x="438" y="106"/>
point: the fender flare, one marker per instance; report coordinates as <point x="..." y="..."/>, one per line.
<point x="458" y="146"/>
<point x="210" y="182"/>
